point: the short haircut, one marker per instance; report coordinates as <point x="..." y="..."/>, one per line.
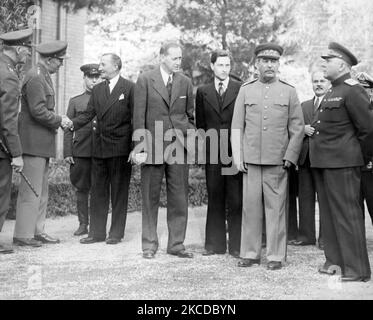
<point x="167" y="46"/>
<point x="115" y="59"/>
<point x="220" y="53"/>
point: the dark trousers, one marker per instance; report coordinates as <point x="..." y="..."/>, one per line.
<point x="177" y="204"/>
<point x="367" y="191"/>
<point x="342" y="220"/>
<point x="224" y="192"/>
<point x="5" y="188"/>
<point x="292" y="225"/>
<point x="110" y="180"/>
<point x="307" y="202"/>
<point x="80" y="176"/>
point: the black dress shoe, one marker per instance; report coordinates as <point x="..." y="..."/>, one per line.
<point x="354" y="278"/>
<point x="112" y="241"/>
<point x="183" y="254"/>
<point x="274" y="265"/>
<point x="90" y="240"/>
<point x="44" y="238"/>
<point x="148" y="255"/>
<point x="235" y="254"/>
<point x="208" y="253"/>
<point x="320" y="245"/>
<point x="302" y="243"/>
<point x="245" y="263"/>
<point x="82" y="230"/>
<point x="327" y="270"/>
<point x="27" y="242"/>
<point x="5" y="249"/>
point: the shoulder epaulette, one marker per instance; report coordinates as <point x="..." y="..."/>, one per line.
<point x="284" y="82"/>
<point x="351" y="82"/>
<point x="248" y="82"/>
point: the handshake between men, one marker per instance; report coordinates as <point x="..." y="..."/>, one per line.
<point x="66" y="123"/>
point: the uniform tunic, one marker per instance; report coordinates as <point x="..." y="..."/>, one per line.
<point x="269" y="118"/>
<point x="344" y="122"/>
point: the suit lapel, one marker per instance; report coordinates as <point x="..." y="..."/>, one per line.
<point x="212" y="98"/>
<point x="159" y="85"/>
<point x="114" y="96"/>
<point x="176" y="84"/>
<point x="230" y="95"/>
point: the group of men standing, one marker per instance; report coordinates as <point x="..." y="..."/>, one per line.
<point x="269" y="132"/>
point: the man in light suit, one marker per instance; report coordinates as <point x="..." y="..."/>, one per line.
<point x="267" y="135"/>
<point x="214" y="110"/>
<point x="37" y="127"/>
<point x="164" y="107"/>
<point x="307" y="188"/>
<point x="112" y="103"/>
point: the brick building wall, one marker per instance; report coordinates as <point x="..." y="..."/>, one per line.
<point x="58" y="24"/>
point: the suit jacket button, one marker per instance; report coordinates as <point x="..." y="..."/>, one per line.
<point x="317" y="132"/>
<point x="319" y="121"/>
<point x="265" y="128"/>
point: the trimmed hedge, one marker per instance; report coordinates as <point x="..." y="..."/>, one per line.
<point x="62" y="199"/>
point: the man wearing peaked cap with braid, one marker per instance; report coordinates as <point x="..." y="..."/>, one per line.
<point x="37" y="126"/>
<point x="16" y="48"/>
<point x="77" y="147"/>
<point x="267" y="135"/>
<point x="335" y="150"/>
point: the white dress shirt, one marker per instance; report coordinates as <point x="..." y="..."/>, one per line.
<point x="165" y="76"/>
<point x="113" y="82"/>
<point x="225" y="84"/>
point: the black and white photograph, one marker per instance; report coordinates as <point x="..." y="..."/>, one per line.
<point x="186" y="156"/>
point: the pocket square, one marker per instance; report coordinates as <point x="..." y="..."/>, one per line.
<point x="121" y="97"/>
<point x="183" y="97"/>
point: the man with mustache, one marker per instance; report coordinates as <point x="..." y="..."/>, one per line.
<point x="307" y="189"/>
<point x="267" y="135"/>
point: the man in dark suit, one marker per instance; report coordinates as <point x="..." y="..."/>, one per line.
<point x="367" y="170"/>
<point x="16" y="48"/>
<point x="112" y="103"/>
<point x="343" y="123"/>
<point x="37" y="127"/>
<point x="77" y="147"/>
<point x="164" y="108"/>
<point x="307" y="189"/>
<point x="214" y="110"/>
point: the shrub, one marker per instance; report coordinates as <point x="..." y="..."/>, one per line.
<point x="62" y="199"/>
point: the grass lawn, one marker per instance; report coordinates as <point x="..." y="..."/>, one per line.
<point x="98" y="271"/>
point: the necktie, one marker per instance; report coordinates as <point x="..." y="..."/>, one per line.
<point x="169" y="86"/>
<point x="107" y="88"/>
<point x="317" y="104"/>
<point x="221" y="89"/>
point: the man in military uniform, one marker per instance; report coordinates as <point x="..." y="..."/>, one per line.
<point x="16" y="49"/>
<point x="78" y="147"/>
<point x="267" y="134"/>
<point x="343" y="123"/>
<point x="367" y="170"/>
<point x="37" y="126"/>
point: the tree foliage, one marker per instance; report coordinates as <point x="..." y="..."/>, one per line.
<point x="97" y="5"/>
<point x="13" y="14"/>
<point x="237" y="25"/>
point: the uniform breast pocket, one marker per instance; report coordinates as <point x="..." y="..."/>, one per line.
<point x="281" y="105"/>
<point x="334" y="112"/>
